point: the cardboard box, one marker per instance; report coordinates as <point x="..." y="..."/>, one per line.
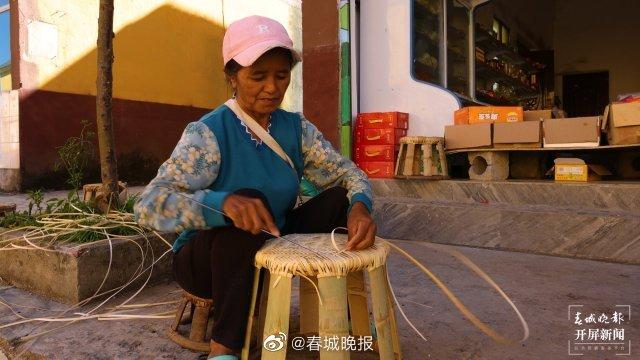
<point x="378" y="169"/>
<point x="383" y="120"/>
<point x="467" y="136"/>
<point x="379" y="136"/>
<point x="537" y="115"/>
<point x="573" y="169"/>
<point x="370" y="153"/>
<point x="622" y="123"/>
<point x="487" y="114"/>
<point x="572" y="132"/>
<point x="526" y="134"/>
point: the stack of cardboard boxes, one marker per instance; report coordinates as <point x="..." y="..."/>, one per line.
<point x="377" y="138"/>
<point x="509" y="127"/>
<point x="481" y="127"/>
<point x="473" y="128"/>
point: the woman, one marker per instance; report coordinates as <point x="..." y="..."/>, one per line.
<point x="220" y="166"/>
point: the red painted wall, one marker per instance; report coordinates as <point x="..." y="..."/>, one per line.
<point x="320" y="76"/>
<point x="145" y="134"/>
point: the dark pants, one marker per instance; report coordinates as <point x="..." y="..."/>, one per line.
<point x="218" y="263"/>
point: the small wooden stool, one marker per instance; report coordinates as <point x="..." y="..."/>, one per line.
<point x="422" y="157"/>
<point x="338" y="290"/>
<point x="90" y="192"/>
<point x="7" y="208"/>
<point x="200" y="326"/>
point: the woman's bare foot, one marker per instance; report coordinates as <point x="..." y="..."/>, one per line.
<point x="216" y="349"/>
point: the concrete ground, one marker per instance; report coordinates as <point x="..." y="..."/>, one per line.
<point x="541" y="286"/>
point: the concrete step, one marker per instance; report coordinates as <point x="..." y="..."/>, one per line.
<point x="598" y="196"/>
<point x="598" y="222"/>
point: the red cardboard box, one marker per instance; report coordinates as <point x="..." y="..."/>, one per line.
<point x="370" y="153"/>
<point x="383" y="120"/>
<point x="378" y="169"/>
<point x="379" y="136"/>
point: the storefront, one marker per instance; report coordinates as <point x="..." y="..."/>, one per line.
<point x="429" y="58"/>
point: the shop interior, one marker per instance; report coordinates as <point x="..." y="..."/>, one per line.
<point x="571" y="55"/>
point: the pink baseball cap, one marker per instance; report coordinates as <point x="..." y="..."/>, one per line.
<point x="247" y="39"/>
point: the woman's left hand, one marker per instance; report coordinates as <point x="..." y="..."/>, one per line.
<point x="362" y="228"/>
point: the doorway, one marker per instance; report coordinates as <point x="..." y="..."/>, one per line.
<point x="585" y="94"/>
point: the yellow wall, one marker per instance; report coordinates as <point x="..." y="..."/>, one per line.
<point x="5" y="82"/>
<point x="166" y="51"/>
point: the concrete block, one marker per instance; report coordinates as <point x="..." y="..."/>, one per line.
<point x="71" y="273"/>
<point x="488" y="165"/>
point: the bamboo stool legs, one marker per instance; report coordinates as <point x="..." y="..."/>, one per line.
<point x="334" y="322"/>
<point x="443" y="159"/>
<point x="422" y="157"/>
<point x="252" y="307"/>
<point x="358" y="308"/>
<point x="427" y="168"/>
<point x="392" y="313"/>
<point x="200" y="327"/>
<point x="382" y="312"/>
<point x="341" y="296"/>
<point x="408" y="164"/>
<point x="277" y="317"/>
<point x="357" y="300"/>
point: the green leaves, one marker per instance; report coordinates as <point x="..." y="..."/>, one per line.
<point x="71" y="220"/>
<point x="75" y="155"/>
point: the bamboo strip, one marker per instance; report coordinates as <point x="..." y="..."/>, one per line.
<point x="427" y="169"/>
<point x="277" y="318"/>
<point x="392" y="315"/>
<point x="408" y="161"/>
<point x="252" y="307"/>
<point x="381" y="312"/>
<point x="333" y="324"/>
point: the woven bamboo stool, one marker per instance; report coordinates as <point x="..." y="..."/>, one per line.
<point x="200" y="327"/>
<point x="422" y="157"/>
<point x="339" y="277"/>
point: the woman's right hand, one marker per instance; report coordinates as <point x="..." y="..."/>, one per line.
<point x="249" y="214"/>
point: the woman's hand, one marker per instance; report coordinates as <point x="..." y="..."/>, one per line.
<point x="249" y="214"/>
<point x="362" y="228"/>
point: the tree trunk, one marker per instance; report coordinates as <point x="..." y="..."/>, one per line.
<point x="104" y="83"/>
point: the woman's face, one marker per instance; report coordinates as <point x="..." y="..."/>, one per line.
<point x="260" y="87"/>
